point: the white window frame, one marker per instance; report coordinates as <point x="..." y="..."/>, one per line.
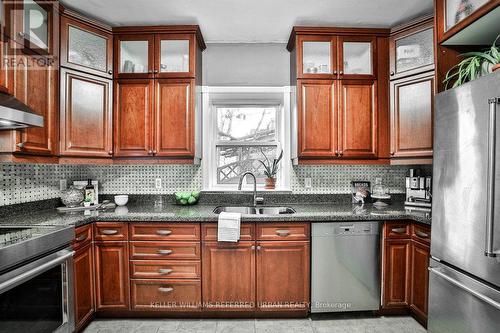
<point x="214" y="97"/>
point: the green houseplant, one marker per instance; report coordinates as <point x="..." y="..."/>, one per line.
<point x="271" y="169"/>
<point x="474" y="65"/>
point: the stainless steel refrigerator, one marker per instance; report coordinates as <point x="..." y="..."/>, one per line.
<point x="464" y="273"/>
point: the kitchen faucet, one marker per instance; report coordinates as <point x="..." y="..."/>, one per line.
<point x="256" y="200"/>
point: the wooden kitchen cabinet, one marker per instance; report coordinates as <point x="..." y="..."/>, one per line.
<point x="412" y="109"/>
<point x="86" y="115"/>
<point x="228" y="276"/>
<point x="112" y="275"/>
<point x="405" y="262"/>
<point x="342" y="86"/>
<point x="396" y="282"/>
<point x="154" y="118"/>
<point x="317" y="118"/>
<point x="34" y="77"/>
<point x="358" y="117"/>
<point x="452" y="17"/>
<point x="83" y="285"/>
<point x="283" y="270"/>
<point x="86" y="45"/>
<point x="419" y="289"/>
<point x="174" y="118"/>
<point x="133" y="118"/>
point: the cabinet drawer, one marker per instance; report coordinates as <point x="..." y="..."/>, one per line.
<point x="115" y="231"/>
<point x="164" y="250"/>
<point x="421" y="233"/>
<point x="165" y="269"/>
<point x="146" y="231"/>
<point x="165" y="295"/>
<point x="283" y="231"/>
<point x="83" y="236"/>
<point x="397" y="230"/>
<point x="209" y="231"/>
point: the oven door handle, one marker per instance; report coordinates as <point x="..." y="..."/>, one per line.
<point x="9" y="284"/>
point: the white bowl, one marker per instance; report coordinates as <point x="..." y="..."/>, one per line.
<point x="121" y="200"/>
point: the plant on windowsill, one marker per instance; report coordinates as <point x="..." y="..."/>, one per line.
<point x="271" y="169"/>
<point x="475" y="65"/>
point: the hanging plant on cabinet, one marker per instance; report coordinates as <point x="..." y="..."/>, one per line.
<point x="473" y="66"/>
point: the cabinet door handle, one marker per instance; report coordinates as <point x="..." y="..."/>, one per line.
<point x="165" y="289"/>
<point x="110" y="152"/>
<point x="341" y="153"/>
<point x="163" y="232"/>
<point x="283" y="233"/>
<point x="421" y="234"/>
<point x="335" y="72"/>
<point x="155" y="71"/>
<point x="398" y="230"/>
<point x="392" y="73"/>
<point x="392" y="153"/>
<point x="21" y="34"/>
<point x="150" y="152"/>
<point x="150" y="72"/>
<point x="21" y="145"/>
<point x="165" y="252"/>
<point x="81" y="238"/>
<point x="259" y="247"/>
<point x="341" y="72"/>
<point x="165" y="271"/>
<point x="252" y="247"/>
<point x="110" y="72"/>
<point x="155" y="152"/>
<point x="109" y="232"/>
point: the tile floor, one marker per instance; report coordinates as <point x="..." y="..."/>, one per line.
<point x="337" y="324"/>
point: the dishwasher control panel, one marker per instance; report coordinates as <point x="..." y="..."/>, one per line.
<point x="346" y="229"/>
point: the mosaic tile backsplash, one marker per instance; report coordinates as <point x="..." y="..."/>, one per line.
<point x="31" y="182"/>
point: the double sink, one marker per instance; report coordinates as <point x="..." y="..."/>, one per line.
<point x="255" y="210"/>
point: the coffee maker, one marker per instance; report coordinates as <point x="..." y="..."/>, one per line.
<point x="418" y="189"/>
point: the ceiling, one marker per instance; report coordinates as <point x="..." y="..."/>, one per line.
<point x="253" y="21"/>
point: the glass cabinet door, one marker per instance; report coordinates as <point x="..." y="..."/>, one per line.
<point x="414" y="51"/>
<point x="134" y="56"/>
<point x="87" y="49"/>
<point x="457" y="10"/>
<point x="174" y="55"/>
<point x="356" y="58"/>
<point x="36" y="26"/>
<point x="316" y="57"/>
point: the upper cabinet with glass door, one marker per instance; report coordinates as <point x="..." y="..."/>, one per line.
<point x="452" y="16"/>
<point x="134" y="56"/>
<point x="174" y="55"/>
<point x="356" y="57"/>
<point x="36" y="26"/>
<point x="412" y="49"/>
<point x="86" y="47"/>
<point x="316" y="57"/>
<point x="158" y="52"/>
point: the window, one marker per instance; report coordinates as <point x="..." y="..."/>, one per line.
<point x="240" y="130"/>
<point x="245" y="135"/>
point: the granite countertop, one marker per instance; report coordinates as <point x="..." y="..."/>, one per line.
<point x="167" y="212"/>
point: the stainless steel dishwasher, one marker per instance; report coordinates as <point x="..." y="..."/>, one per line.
<point x="345" y="267"/>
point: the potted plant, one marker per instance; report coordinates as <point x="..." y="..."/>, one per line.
<point x="271" y="169"/>
<point x="473" y="66"/>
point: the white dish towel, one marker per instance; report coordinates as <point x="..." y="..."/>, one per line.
<point x="228" y="228"/>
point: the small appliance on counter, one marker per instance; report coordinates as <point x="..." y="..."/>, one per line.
<point x="418" y="189"/>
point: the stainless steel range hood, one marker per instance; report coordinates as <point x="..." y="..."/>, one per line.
<point x="14" y="114"/>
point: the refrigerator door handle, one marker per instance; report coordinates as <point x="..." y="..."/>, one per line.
<point x="490" y="206"/>
<point x="462" y="286"/>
